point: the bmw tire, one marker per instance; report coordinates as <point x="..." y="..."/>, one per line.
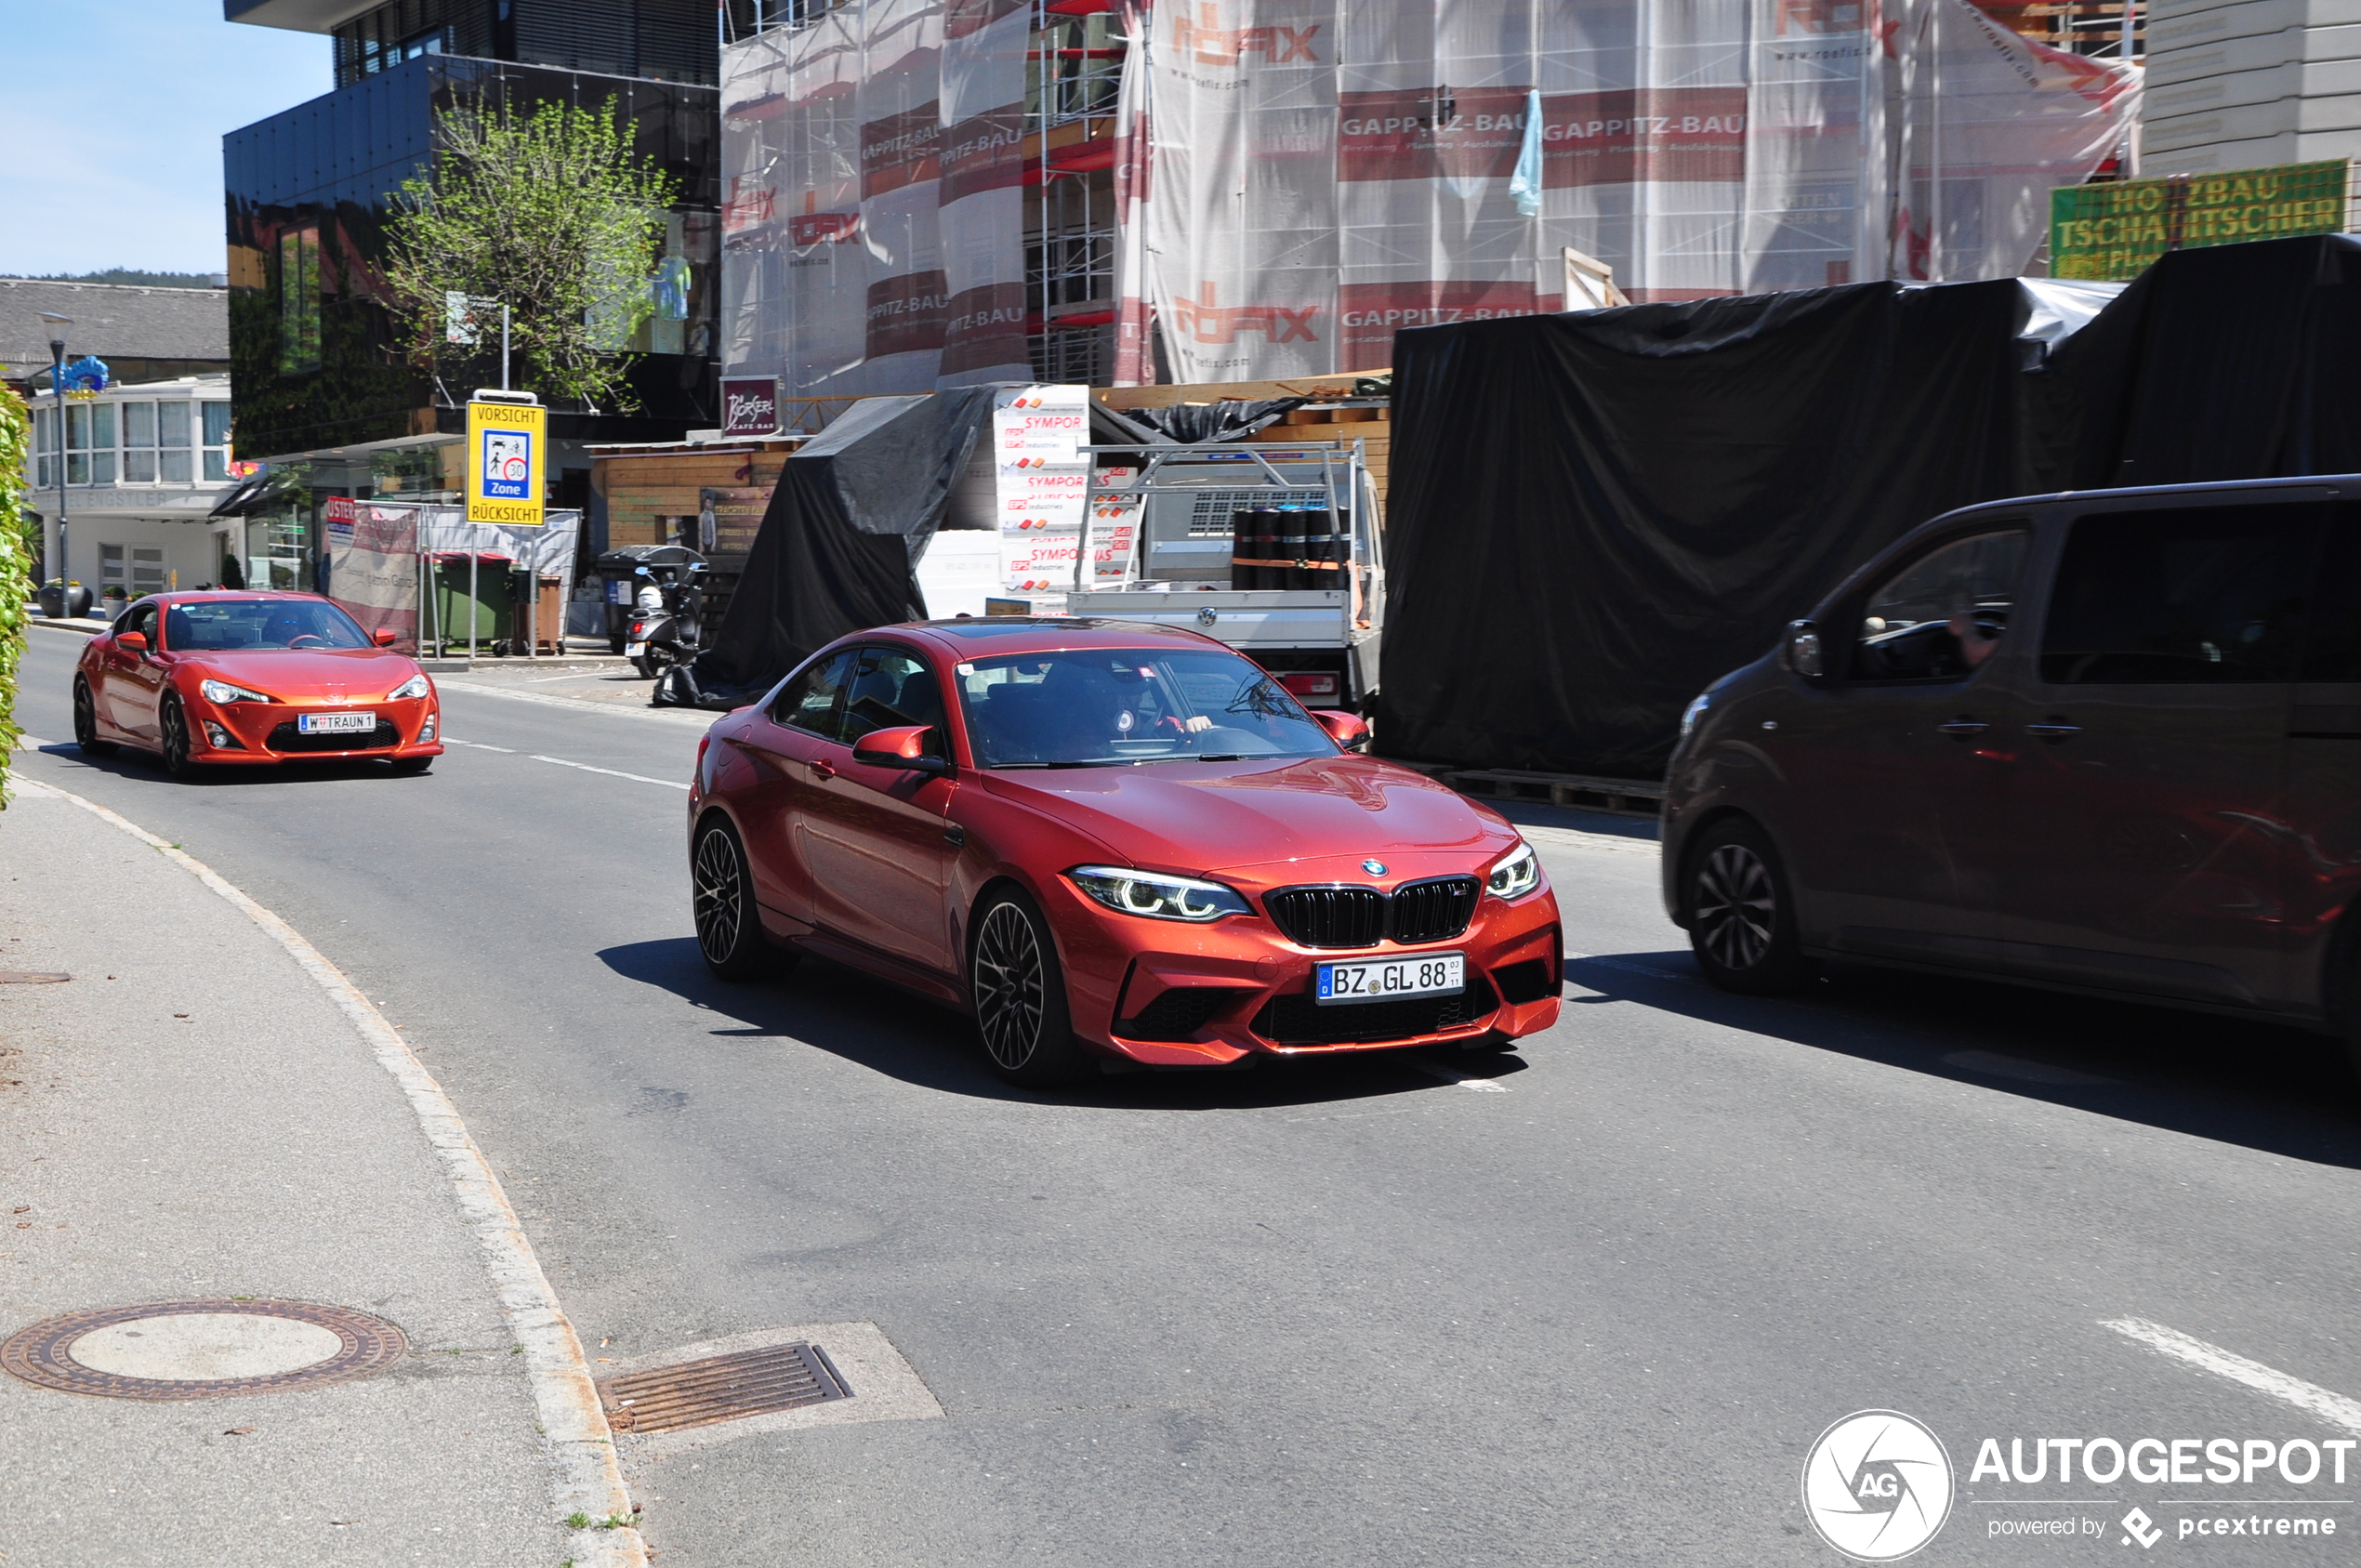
<point x="1019" y="994"/>
<point x="728" y="924"/>
<point x="1741" y="916"/>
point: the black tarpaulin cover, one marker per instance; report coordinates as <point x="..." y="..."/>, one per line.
<point x="854" y="510"/>
<point x="1593" y="517"/>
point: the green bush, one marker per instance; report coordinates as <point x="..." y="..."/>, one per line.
<point x="16" y="567"/>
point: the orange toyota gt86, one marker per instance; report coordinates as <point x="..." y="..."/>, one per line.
<point x="234" y="677"/>
<point x="1110" y="840"/>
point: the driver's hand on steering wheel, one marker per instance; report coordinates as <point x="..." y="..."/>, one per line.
<point x="1189" y="725"/>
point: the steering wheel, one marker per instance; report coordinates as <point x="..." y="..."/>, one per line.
<point x="302" y="637"/>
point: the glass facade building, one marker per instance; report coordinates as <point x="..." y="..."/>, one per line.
<point x="316" y="362"/>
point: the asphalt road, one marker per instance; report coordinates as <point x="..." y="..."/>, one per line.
<point x="1597" y="1306"/>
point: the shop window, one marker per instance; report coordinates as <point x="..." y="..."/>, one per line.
<point x="139" y="444"/>
<point x="172" y="437"/>
<point x="102" y="443"/>
<point x="217" y="440"/>
<point x="77" y="443"/>
<point x="298" y="301"/>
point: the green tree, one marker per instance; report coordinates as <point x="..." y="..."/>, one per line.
<point x="16" y="567"/>
<point x="553" y="214"/>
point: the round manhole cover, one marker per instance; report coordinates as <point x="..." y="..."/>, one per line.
<point x="199" y="1350"/>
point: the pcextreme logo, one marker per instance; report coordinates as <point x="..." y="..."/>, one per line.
<point x="1877" y="1485"/>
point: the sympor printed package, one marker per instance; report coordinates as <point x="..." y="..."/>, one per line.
<point x="1043" y="480"/>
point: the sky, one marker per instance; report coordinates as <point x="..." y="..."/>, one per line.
<point x="113" y="123"/>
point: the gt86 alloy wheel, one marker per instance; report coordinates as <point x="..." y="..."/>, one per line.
<point x="1021" y="996"/>
<point x="1741" y="920"/>
<point x="85" y="722"/>
<point x="172" y="720"/>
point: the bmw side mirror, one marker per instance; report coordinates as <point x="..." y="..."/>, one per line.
<point x="904" y="746"/>
<point x="1348" y="730"/>
<point x="1800" y="649"/>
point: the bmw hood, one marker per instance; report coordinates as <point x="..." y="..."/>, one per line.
<point x="1211" y="816"/>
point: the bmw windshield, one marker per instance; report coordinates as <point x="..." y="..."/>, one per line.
<point x="1108" y="707"/>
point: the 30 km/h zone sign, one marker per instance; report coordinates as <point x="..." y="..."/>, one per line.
<point x="505" y="442"/>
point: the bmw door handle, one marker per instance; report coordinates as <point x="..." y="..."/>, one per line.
<point x="1962" y="727"/>
<point x="2053" y="730"/>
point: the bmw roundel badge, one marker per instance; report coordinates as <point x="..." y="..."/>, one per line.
<point x="1374" y="868"/>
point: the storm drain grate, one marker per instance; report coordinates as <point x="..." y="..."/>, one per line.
<point x="698" y="1393"/>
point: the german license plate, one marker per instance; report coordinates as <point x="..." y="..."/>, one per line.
<point x="633" y="650"/>
<point x="1382" y="980"/>
<point x="335" y="723"/>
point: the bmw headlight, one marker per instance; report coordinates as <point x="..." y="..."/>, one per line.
<point x="1158" y="896"/>
<point x="1516" y="874"/>
<point x="222" y="692"/>
<point x="1694" y="711"/>
<point x="414" y="686"/>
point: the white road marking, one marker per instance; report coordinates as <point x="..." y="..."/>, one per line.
<point x="2331" y="1407"/>
<point x="1465" y="1081"/>
<point x="611" y="773"/>
<point x="478" y="745"/>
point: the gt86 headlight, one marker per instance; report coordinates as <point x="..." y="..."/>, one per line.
<point x="1516" y="874"/>
<point x="1158" y="896"/>
<point x="222" y="692"/>
<point x="414" y="686"/>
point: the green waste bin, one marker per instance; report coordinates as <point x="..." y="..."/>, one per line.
<point x="493" y="605"/>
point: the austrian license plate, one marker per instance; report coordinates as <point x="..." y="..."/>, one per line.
<point x="335" y="723"/>
<point x="1382" y="980"/>
<point x="633" y="650"/>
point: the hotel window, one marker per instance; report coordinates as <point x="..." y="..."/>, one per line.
<point x="298" y="301"/>
<point x="160" y="443"/>
<point x="172" y="442"/>
<point x="217" y="440"/>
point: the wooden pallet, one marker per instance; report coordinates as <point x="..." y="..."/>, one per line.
<point x="1629" y="797"/>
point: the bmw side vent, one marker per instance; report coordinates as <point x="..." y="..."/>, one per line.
<point x="1435" y="911"/>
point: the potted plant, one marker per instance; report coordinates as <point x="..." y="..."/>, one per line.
<point x="116" y="600"/>
<point x="51" y="596"/>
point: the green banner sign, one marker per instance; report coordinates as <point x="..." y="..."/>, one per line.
<point x="2115" y="231"/>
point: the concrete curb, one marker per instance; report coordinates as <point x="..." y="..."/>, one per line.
<point x="87" y="628"/>
<point x="584" y="1478"/>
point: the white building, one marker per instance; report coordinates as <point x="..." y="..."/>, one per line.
<point x="2248" y="84"/>
<point x="142" y="468"/>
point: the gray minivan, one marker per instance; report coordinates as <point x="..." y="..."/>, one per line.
<point x="2107" y="741"/>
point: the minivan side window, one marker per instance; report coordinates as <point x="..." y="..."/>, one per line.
<point x="2332" y="621"/>
<point x="1938" y="617"/>
<point x="2190" y="596"/>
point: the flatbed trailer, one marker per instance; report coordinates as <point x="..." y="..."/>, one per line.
<point x="1171" y="566"/>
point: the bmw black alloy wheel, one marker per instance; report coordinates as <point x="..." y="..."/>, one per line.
<point x="1736" y="908"/>
<point x="721" y="896"/>
<point x="1008" y="986"/>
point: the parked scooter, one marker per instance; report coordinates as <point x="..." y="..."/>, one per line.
<point x="665" y="620"/>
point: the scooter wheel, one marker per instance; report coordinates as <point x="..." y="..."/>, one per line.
<point x="647" y="668"/>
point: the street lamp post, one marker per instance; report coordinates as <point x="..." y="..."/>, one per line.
<point x="57" y="435"/>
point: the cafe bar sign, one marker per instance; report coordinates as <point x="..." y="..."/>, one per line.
<point x="2114" y="230"/>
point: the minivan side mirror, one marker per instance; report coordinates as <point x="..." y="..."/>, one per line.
<point x="1800" y="650"/>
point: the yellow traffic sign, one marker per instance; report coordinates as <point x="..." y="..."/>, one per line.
<point x="506" y="445"/>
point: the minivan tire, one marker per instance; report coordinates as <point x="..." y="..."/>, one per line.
<point x="1741" y="917"/>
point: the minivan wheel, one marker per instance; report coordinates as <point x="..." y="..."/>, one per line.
<point x="1019" y="995"/>
<point x="1741" y="918"/>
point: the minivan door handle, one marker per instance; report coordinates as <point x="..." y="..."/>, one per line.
<point x="1962" y="727"/>
<point x="2053" y="730"/>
